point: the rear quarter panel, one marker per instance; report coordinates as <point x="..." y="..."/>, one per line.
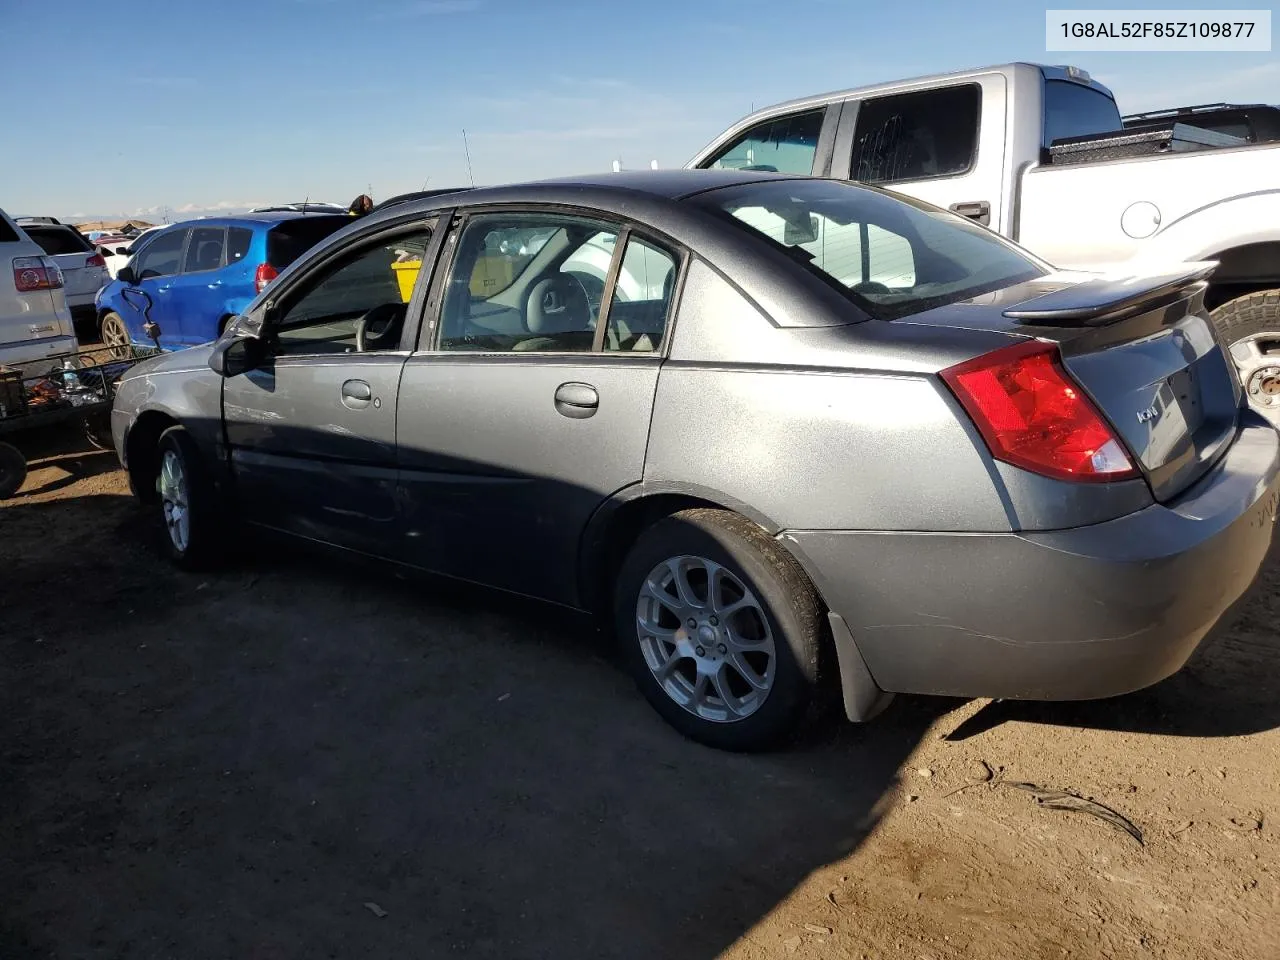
<point x="831" y="428"/>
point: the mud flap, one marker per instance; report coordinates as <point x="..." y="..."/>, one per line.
<point x="863" y="699"/>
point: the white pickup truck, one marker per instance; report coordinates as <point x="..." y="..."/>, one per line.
<point x="1040" y="154"/>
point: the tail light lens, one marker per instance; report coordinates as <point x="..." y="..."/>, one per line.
<point x="35" y="273"/>
<point x="97" y="260"/>
<point x="1033" y="415"/>
<point x="266" y="273"/>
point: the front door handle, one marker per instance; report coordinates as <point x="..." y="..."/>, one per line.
<point x="577" y="401"/>
<point x="356" y="394"/>
<point x="979" y="210"/>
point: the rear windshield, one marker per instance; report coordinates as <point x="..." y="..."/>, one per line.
<point x="291" y="239"/>
<point x="894" y="256"/>
<point x="57" y="240"/>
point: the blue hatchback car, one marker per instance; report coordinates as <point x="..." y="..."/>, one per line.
<point x="191" y="278"/>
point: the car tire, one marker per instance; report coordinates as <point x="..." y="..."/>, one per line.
<point x="113" y="334"/>
<point x="1257" y="361"/>
<point x="13" y="470"/>
<point x="773" y="626"/>
<point x="191" y="527"/>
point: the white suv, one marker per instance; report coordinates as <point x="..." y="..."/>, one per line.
<point x="34" y="320"/>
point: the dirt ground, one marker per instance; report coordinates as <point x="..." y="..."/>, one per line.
<point x="303" y="759"/>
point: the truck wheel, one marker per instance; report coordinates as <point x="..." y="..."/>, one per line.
<point x="13" y="470"/>
<point x="188" y="503"/>
<point x="721" y="629"/>
<point x="1250" y="327"/>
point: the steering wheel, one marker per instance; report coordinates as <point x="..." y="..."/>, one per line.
<point x="379" y="329"/>
<point x="558" y="303"/>
<point x="870" y="286"/>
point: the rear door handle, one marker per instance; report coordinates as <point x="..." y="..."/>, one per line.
<point x="577" y="401"/>
<point x="356" y="394"/>
<point x="979" y="210"/>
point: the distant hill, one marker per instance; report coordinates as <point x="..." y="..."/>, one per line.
<point x="111" y="225"/>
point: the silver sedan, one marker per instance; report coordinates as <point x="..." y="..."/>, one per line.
<point x="792" y="438"/>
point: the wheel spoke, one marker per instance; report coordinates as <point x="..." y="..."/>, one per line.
<point x="680" y="579"/>
<point x="699" y="696"/>
<point x="744" y="669"/>
<point x="721" y="684"/>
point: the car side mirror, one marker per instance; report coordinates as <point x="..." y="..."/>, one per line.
<point x="233" y="356"/>
<point x="125" y="275"/>
<point x="122" y="251"/>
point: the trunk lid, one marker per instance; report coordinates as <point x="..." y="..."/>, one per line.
<point x="1143" y="348"/>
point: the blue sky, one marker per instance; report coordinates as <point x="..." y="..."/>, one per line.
<point x="132" y="108"/>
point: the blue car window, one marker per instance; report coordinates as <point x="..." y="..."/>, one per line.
<point x="238" y="241"/>
<point x="163" y="256"/>
<point x="204" y="251"/>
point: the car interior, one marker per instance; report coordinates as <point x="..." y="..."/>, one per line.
<point x="549" y="305"/>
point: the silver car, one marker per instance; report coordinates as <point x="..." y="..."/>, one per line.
<point x="835" y="443"/>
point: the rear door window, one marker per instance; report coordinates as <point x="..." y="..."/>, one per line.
<point x="1074" y="110"/>
<point x="917" y="136"/>
<point x="781" y="145"/>
<point x="289" y="240"/>
<point x="204" y="252"/>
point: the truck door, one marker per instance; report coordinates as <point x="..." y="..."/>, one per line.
<point x="944" y="145"/>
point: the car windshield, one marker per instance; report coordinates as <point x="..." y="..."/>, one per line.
<point x="58" y="240"/>
<point x="893" y="256"/>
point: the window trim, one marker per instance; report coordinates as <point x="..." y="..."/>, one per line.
<point x="187" y="246"/>
<point x="974" y="156"/>
<point x="270" y="308"/>
<point x="429" y="341"/>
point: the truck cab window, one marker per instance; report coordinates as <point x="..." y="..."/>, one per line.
<point x="917" y="136"/>
<point x="1074" y="110"/>
<point x="781" y="145"/>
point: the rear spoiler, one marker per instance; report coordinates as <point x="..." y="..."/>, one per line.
<point x="1107" y="298"/>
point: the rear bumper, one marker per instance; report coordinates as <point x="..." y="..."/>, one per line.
<point x="1065" y="615"/>
<point x="31" y="353"/>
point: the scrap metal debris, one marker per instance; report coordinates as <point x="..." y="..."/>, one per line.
<point x="1062" y="800"/>
<point x="376" y="910"/>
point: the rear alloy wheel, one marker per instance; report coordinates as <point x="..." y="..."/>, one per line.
<point x="187" y="502"/>
<point x="115" y="335"/>
<point x="1250" y="326"/>
<point x="721" y="629"/>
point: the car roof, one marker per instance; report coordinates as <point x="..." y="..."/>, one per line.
<point x="604" y="190"/>
<point x="264" y="219"/>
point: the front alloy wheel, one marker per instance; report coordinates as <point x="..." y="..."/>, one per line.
<point x="175" y="500"/>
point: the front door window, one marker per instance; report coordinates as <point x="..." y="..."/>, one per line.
<point x="356" y="306"/>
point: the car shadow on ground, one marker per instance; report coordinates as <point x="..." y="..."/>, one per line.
<point x="299" y="757"/>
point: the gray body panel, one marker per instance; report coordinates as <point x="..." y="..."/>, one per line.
<point x="497" y="485"/>
<point x="943" y="570"/>
<point x="308" y="463"/>
<point x="1090" y="612"/>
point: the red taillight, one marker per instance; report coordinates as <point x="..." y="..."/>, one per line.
<point x="35" y="273"/>
<point x="97" y="260"/>
<point x="1033" y="415"/>
<point x="266" y="273"/>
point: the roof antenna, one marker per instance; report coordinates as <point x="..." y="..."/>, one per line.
<point x="467" y="148"/>
<point x="305" y="201"/>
